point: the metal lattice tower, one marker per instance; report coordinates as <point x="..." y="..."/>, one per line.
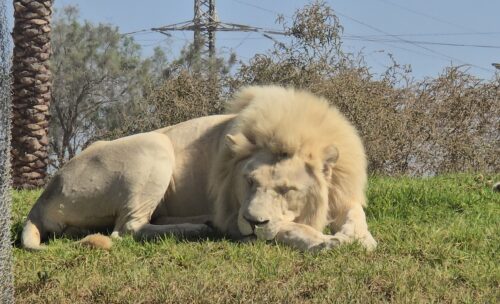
<point x="204" y="25"/>
<point x="205" y="21"/>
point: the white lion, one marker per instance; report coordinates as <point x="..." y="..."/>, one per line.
<point x="283" y="165"/>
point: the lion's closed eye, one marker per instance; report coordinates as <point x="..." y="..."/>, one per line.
<point x="283" y="155"/>
<point x="282" y="190"/>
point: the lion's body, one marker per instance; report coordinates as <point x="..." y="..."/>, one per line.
<point x="196" y="141"/>
<point x="172" y="180"/>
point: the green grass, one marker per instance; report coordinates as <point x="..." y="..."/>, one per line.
<point x="439" y="240"/>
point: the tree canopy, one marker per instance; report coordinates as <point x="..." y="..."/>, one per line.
<point x="99" y="77"/>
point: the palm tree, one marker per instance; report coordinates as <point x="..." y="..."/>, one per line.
<point x="31" y="92"/>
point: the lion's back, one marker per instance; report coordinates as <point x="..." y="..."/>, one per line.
<point x="196" y="143"/>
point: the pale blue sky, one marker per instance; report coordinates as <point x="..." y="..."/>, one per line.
<point x="443" y="21"/>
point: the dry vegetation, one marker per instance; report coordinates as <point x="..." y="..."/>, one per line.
<point x="438" y="125"/>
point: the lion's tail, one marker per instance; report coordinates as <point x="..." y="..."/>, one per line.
<point x="31" y="238"/>
<point x="32" y="235"/>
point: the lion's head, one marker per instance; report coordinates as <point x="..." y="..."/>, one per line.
<point x="278" y="162"/>
<point x="273" y="187"/>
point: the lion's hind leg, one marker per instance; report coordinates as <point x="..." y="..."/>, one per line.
<point x="185" y="230"/>
<point x="76" y="232"/>
<point x="135" y="218"/>
<point x="169" y="220"/>
<point x="32" y="236"/>
<point x="39" y="225"/>
<point x="142" y="229"/>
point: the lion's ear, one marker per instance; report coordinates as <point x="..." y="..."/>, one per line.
<point x="238" y="143"/>
<point x="330" y="157"/>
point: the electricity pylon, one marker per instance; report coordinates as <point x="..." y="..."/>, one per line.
<point x="204" y="25"/>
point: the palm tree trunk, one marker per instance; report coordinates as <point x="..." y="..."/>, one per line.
<point x="31" y="92"/>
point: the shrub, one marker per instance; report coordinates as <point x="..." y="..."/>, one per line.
<point x="446" y="124"/>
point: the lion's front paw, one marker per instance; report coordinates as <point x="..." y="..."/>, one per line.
<point x="116" y="235"/>
<point x="247" y="239"/>
<point x="329" y="243"/>
<point x="368" y="242"/>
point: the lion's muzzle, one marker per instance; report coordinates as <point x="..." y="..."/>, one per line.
<point x="254" y="221"/>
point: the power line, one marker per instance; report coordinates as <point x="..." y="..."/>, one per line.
<point x="220" y="26"/>
<point x="157" y="42"/>
<point x="369" y="38"/>
<point x="430" y="34"/>
<point x="362" y="38"/>
<point x="258" y="7"/>
<point x="407" y="49"/>
<point x="426" y="15"/>
<point x="243" y="41"/>
<point x="136" y="32"/>
<point x="398" y="37"/>
<point x="410" y="42"/>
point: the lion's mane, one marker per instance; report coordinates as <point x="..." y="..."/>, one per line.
<point x="294" y="122"/>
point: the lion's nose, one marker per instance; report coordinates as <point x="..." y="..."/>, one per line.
<point x="254" y="222"/>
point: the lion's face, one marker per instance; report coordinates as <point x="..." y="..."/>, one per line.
<point x="275" y="189"/>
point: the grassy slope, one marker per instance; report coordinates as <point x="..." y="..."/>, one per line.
<point x="438" y="242"/>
